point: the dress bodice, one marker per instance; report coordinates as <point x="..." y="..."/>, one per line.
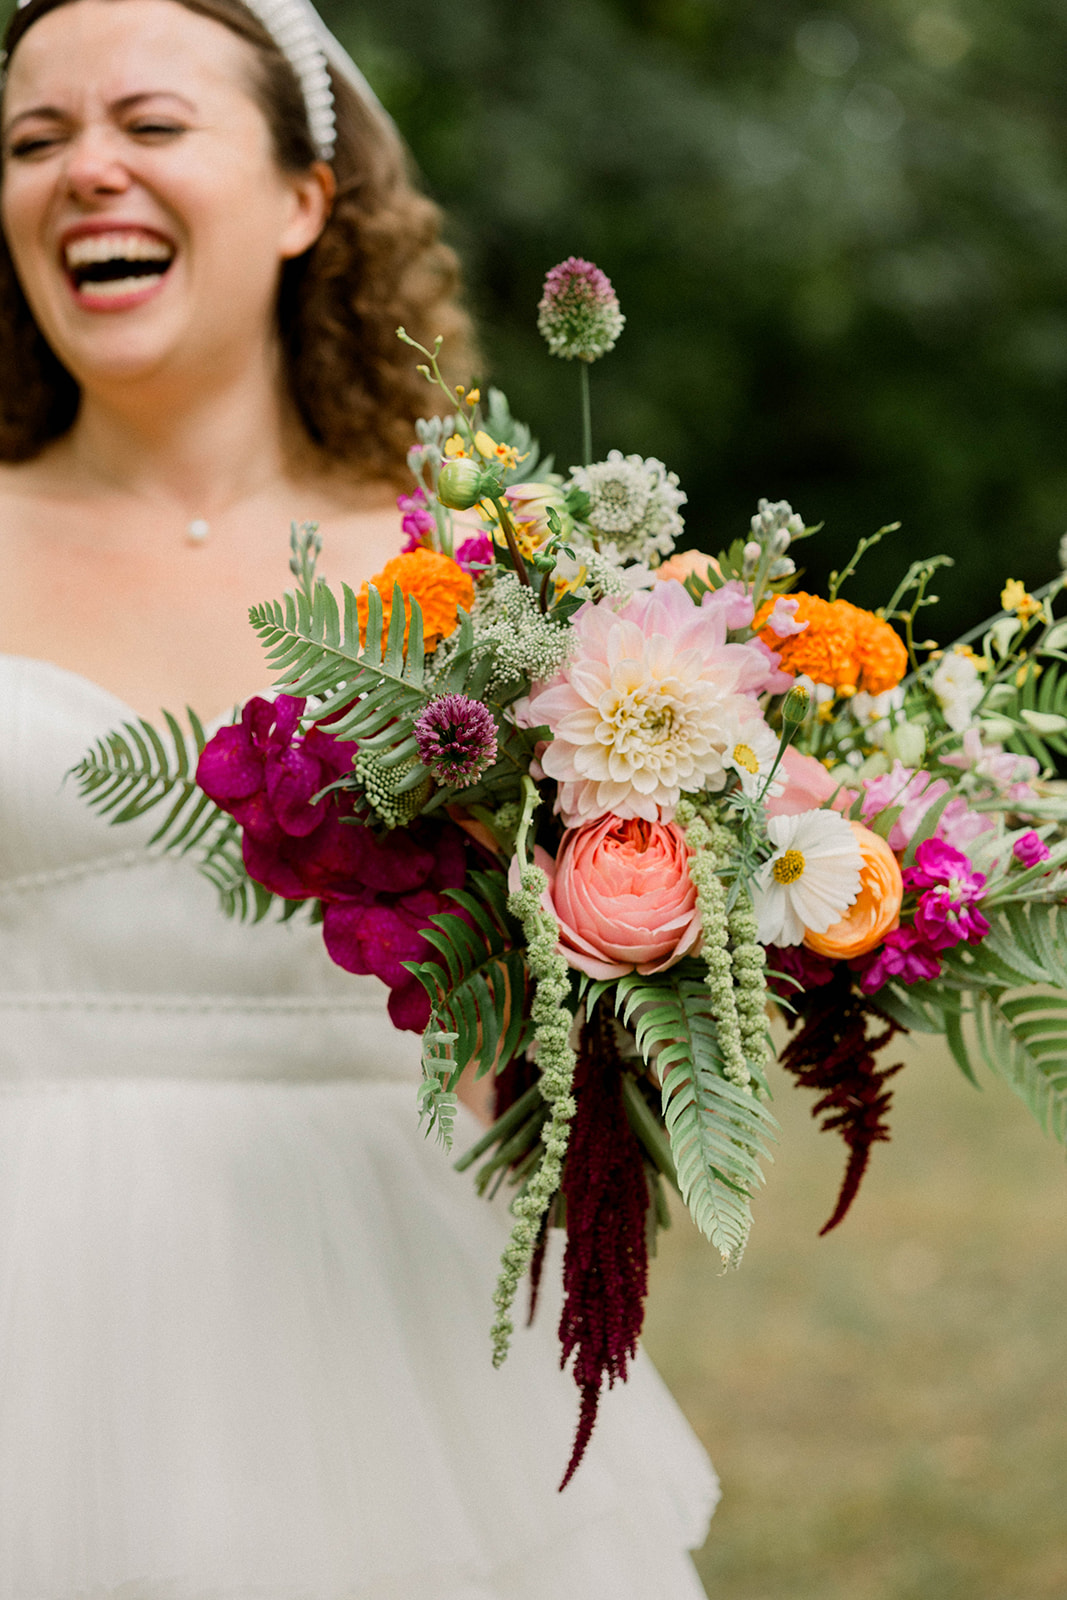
<point x="118" y="960"/>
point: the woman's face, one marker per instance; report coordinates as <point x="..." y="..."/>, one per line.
<point x="144" y="211"/>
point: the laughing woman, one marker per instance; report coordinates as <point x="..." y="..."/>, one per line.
<point x="243" y="1305"/>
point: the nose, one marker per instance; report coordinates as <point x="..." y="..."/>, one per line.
<point x="94" y="168"/>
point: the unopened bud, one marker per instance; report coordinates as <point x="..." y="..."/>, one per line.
<point x="461" y="483"/>
<point x="751" y="555"/>
<point x="795" y="706"/>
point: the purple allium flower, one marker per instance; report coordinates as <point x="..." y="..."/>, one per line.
<point x="578" y="313"/>
<point x="947" y="912"/>
<point x="1030" y="848"/>
<point x="904" y="954"/>
<point x="417" y="519"/>
<point x="456" y="737"/>
<point x="476" y="553"/>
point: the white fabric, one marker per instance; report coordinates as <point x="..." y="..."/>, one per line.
<point x="244" y="1306"/>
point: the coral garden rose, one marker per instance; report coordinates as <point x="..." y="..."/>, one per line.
<point x="621" y="892"/>
<point x="875" y="910"/>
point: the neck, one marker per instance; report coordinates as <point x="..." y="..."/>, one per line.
<point x="196" y="449"/>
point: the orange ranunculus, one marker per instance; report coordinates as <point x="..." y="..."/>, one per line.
<point x="435" y="581"/>
<point x="685" y="564"/>
<point x="842" y="645"/>
<point x="875" y="910"/>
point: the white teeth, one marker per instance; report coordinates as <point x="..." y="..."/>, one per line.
<point x="92" y="248"/>
<point x="113" y="287"/>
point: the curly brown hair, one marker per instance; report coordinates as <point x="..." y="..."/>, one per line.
<point x="378" y="263"/>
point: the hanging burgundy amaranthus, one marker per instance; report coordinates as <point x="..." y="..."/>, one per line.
<point x="833" y="1053"/>
<point x="605" y="1268"/>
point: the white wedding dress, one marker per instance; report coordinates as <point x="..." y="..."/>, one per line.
<point x="244" y="1305"/>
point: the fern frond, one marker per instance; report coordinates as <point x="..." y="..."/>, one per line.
<point x="134" y="769"/>
<point x="1023" y="1039"/>
<point x="717" y="1130"/>
<point x="478" y="981"/>
<point x="436" y="1099"/>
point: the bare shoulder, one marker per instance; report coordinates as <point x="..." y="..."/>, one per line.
<point x="360" y="527"/>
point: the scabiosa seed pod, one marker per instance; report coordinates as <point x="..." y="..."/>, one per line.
<point x="462" y="483"/>
<point x="578" y="314"/>
<point x="456" y="737"/>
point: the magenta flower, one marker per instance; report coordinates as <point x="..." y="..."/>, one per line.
<point x="379" y="891"/>
<point x="947" y="913"/>
<point x="475" y="554"/>
<point x="417" y="521"/>
<point x="578" y="314"/>
<point x="1030" y="848"/>
<point x="456" y="737"/>
<point x="906" y="955"/>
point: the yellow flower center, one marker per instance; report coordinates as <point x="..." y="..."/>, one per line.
<point x="745" y="757"/>
<point x="789" y="867"/>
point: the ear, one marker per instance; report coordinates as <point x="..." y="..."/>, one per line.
<point x="312" y="194"/>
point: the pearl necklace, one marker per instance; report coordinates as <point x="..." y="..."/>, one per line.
<point x="196" y="532"/>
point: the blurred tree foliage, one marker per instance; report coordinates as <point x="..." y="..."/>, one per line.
<point x="839" y="237"/>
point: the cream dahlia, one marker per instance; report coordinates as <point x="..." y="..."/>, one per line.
<point x="646" y="706"/>
<point x="811" y="879"/>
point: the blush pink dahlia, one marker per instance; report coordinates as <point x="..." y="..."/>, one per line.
<point x="644" y="708"/>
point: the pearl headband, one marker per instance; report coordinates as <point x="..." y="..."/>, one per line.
<point x="312" y="52"/>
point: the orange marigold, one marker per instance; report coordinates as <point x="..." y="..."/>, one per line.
<point x="880" y="651"/>
<point x="436" y="582"/>
<point x="842" y="645"/>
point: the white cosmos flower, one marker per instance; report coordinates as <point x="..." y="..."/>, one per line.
<point x="959" y="689"/>
<point x="810" y="881"/>
<point x="751" y="751"/>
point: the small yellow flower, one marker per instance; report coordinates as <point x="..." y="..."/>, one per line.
<point x="1014" y="597"/>
<point x="489" y="450"/>
<point x="455" y="448"/>
<point x="1029" y="669"/>
<point x="474" y="396"/>
<point x="965" y="650"/>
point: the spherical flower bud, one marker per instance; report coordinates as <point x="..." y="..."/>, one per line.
<point x="578" y="314"/>
<point x="456" y="739"/>
<point x="795" y="706"/>
<point x="461" y="483"/>
<point x="1029" y="849"/>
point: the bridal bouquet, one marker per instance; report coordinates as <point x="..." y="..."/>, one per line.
<point x="592" y="809"/>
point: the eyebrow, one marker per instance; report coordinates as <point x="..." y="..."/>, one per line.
<point x="126" y="103"/>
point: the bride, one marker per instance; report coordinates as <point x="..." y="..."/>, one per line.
<point x="243" y="1304"/>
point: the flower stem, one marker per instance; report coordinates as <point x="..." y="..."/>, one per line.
<point x="587" y="413"/>
<point x="508" y="529"/>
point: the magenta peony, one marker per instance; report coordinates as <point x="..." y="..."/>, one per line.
<point x="621" y="892"/>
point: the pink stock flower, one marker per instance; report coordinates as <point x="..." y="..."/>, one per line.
<point x="645" y="706"/>
<point x="417" y="521"/>
<point x="475" y="553"/>
<point x="947" y="913"/>
<point x="622" y="895"/>
<point x="903" y="786"/>
<point x="906" y="955"/>
<point x="1029" y="849"/>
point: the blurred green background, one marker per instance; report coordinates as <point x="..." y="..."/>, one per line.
<point x="839" y="236"/>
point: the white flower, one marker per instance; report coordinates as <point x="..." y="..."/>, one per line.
<point x="810" y="881"/>
<point x="873" y="712"/>
<point x="751" y="751"/>
<point x="958" y="688"/>
<point x="633" y="501"/>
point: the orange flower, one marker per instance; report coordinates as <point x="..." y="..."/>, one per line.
<point x="875" y="910"/>
<point x="880" y="651"/>
<point x="680" y="566"/>
<point x="842" y="645"/>
<point x="435" y="581"/>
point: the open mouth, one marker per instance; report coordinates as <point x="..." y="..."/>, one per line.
<point x="110" y="265"/>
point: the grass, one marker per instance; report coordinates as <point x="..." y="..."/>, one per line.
<point x="885" y="1406"/>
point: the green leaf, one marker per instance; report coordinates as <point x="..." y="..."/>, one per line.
<point x="717" y="1131"/>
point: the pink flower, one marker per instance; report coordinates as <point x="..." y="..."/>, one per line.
<point x="797" y="961"/>
<point x="621" y="892"/>
<point x="947" y="913"/>
<point x="903" y="786"/>
<point x="475" y="553"/>
<point x="645" y="706"/>
<point x="783" y="617"/>
<point x="806" y="785"/>
<point x="417" y="521"/>
<point x="906" y="955"/>
<point x="1030" y="848"/>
